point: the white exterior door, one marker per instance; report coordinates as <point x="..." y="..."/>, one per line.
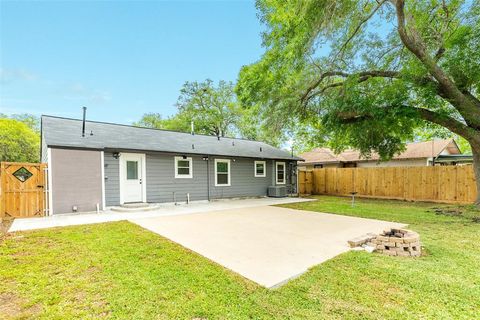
<point x="132" y="177"/>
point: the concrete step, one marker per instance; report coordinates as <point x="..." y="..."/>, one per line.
<point x="136" y="207"/>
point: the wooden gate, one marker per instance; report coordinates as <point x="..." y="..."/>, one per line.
<point x="305" y="182"/>
<point x="22" y="189"/>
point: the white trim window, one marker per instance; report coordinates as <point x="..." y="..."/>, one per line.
<point x="260" y="169"/>
<point x="222" y="172"/>
<point x="280" y="172"/>
<point x="183" y="167"/>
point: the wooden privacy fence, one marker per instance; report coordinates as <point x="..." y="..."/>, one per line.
<point x="22" y="189"/>
<point x="453" y="184"/>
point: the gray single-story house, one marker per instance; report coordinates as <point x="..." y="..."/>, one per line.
<point x="93" y="165"/>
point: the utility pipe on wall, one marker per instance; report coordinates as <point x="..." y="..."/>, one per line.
<point x="84" y="119"/>
<point x="207" y="159"/>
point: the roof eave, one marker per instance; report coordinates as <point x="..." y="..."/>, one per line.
<point x="74" y="147"/>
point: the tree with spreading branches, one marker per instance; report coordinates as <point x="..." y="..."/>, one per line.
<point x="213" y="108"/>
<point x="215" y="111"/>
<point x="371" y="72"/>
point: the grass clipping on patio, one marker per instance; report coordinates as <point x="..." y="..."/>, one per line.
<point x="119" y="270"/>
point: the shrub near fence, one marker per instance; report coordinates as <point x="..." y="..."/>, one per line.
<point x="453" y="184"/>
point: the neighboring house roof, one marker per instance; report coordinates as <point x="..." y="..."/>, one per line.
<point x="323" y="155"/>
<point x="414" y="150"/>
<point x="63" y="132"/>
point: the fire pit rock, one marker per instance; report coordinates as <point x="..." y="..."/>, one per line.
<point x="392" y="242"/>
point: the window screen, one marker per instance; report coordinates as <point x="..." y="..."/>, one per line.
<point x="183" y="167"/>
<point x="259" y="168"/>
<point x="280" y="172"/>
<point x="223" y="172"/>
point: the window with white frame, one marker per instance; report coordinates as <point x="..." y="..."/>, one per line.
<point x="260" y="169"/>
<point x="280" y="166"/>
<point x="222" y="172"/>
<point x="183" y="167"/>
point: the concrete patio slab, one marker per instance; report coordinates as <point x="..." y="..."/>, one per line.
<point x="268" y="245"/>
<point x="164" y="209"/>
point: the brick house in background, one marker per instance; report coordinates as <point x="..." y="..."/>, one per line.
<point x="444" y="152"/>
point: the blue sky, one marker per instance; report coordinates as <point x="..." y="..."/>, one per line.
<point x="120" y="59"/>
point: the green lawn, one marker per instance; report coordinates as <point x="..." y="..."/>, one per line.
<point x="119" y="270"/>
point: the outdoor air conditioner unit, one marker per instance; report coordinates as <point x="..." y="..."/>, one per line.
<point x="277" y="191"/>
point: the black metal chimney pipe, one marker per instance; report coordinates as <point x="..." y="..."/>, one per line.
<point x="83" y="124"/>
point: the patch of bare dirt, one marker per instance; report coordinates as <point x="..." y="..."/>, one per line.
<point x="448" y="211"/>
<point x="22" y="254"/>
<point x="11" y="307"/>
<point x="97" y="304"/>
<point x="462" y="211"/>
<point x="339" y="305"/>
<point x="5" y="224"/>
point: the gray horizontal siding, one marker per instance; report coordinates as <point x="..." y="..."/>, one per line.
<point x="243" y="181"/>
<point x="162" y="186"/>
<point x="112" y="180"/>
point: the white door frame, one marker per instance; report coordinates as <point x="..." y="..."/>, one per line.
<point x="143" y="173"/>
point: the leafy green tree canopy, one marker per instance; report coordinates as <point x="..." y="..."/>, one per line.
<point x="214" y="110"/>
<point x="18" y="143"/>
<point x="32" y="121"/>
<point x="372" y="72"/>
<point x="151" y="120"/>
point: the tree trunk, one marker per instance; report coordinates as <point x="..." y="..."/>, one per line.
<point x="476" y="169"/>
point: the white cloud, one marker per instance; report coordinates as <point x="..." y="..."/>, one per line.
<point x="78" y="91"/>
<point x="11" y="75"/>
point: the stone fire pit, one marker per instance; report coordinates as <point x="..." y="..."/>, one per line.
<point x="392" y="242"/>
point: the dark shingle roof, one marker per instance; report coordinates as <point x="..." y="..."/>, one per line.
<point x="62" y="132"/>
